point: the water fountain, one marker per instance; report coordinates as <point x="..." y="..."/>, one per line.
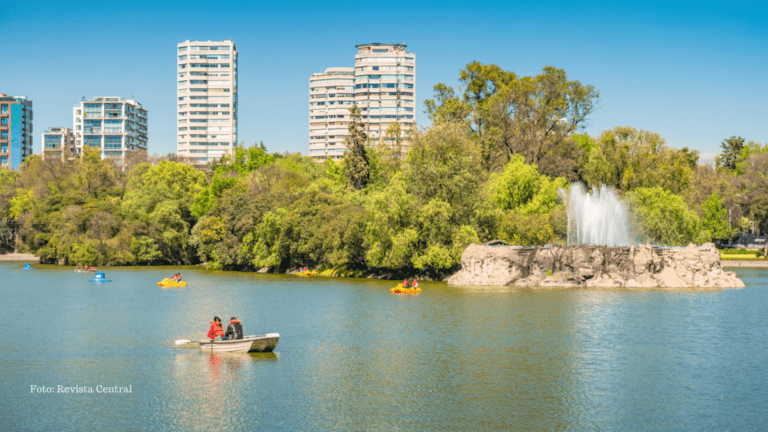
<point x="598" y="218"/>
<point x="598" y="254"/>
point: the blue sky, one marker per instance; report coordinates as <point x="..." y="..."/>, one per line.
<point x="694" y="72"/>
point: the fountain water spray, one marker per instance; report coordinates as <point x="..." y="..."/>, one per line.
<point x="597" y="218"/>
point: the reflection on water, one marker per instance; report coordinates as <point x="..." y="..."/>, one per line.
<point x="353" y="356"/>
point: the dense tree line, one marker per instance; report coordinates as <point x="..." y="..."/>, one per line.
<point x="489" y="167"/>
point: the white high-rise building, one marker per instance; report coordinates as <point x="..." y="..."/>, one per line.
<point x="384" y="89"/>
<point x="331" y="94"/>
<point x="207" y="100"/>
<point x="112" y="124"/>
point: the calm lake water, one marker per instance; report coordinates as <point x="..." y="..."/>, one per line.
<point x="352" y="356"/>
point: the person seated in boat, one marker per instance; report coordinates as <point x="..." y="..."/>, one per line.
<point x="173" y="278"/>
<point x="234" y="330"/>
<point x="77" y="268"/>
<point x="178" y="277"/>
<point x="406" y="284"/>
<point x="86" y="267"/>
<point x="415" y="284"/>
<point x="216" y="330"/>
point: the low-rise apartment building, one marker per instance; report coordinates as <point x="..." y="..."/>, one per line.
<point x="114" y="125"/>
<point x="59" y="143"/>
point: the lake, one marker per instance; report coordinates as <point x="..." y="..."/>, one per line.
<point x="352" y="356"/>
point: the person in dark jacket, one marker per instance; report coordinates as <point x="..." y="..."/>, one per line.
<point x="234" y="329"/>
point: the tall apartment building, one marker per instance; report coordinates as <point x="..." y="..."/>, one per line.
<point x="59" y="143"/>
<point x="207" y="100"/>
<point x="384" y="90"/>
<point x="15" y="130"/>
<point x="112" y="124"/>
<point x="331" y="94"/>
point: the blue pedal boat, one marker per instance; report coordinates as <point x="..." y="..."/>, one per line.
<point x="100" y="278"/>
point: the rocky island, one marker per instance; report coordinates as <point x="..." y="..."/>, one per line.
<point x="643" y="266"/>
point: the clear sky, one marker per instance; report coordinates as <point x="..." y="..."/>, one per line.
<point x="694" y="72"/>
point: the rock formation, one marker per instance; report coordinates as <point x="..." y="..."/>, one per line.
<point x="594" y="266"/>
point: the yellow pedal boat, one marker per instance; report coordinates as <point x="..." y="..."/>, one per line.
<point x="400" y="290"/>
<point x="305" y="274"/>
<point x="169" y="283"/>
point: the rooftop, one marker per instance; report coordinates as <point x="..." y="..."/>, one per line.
<point x="112" y="99"/>
<point x="396" y="45"/>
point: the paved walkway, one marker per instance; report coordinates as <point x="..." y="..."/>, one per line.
<point x="19" y="257"/>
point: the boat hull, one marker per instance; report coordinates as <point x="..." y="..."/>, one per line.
<point x="400" y="290"/>
<point x="172" y="284"/>
<point x="266" y="343"/>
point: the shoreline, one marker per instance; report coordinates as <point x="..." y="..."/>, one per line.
<point x="25" y="257"/>
<point x="744" y="263"/>
<point x="15" y="257"/>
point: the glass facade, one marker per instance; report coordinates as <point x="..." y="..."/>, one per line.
<point x="92" y="140"/>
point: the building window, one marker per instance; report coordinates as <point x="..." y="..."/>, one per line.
<point x="93" y="126"/>
<point x="113" y="126"/>
<point x="113" y="142"/>
<point x="92" y="140"/>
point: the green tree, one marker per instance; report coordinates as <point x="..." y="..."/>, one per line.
<point x="705" y="181"/>
<point x="445" y="163"/>
<point x="158" y="199"/>
<point x="535" y="116"/>
<point x="446" y="106"/>
<point x="481" y="82"/>
<point x="626" y="158"/>
<point x="731" y="149"/>
<point x="356" y="161"/>
<point x="663" y="217"/>
<point x="522" y="188"/>
<point x="390" y="147"/>
<point x="753" y="186"/>
<point x="716" y="218"/>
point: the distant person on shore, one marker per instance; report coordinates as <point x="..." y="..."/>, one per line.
<point x="216" y="330"/>
<point x="234" y="330"/>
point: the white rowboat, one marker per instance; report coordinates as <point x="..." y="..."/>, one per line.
<point x="265" y="343"/>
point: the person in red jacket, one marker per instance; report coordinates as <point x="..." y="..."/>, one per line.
<point x="216" y="329"/>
